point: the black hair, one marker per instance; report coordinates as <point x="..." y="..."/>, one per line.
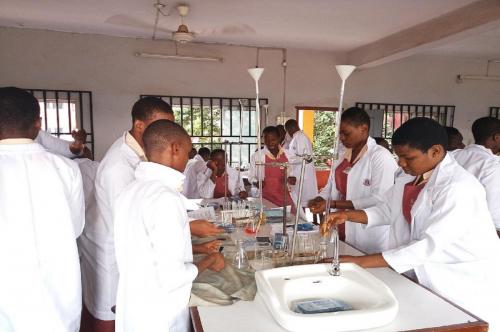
<point x="452" y="131"/>
<point x="204" y="152"/>
<point x="292" y="123"/>
<point x="271" y="130"/>
<point x="382" y="142"/>
<point x="144" y="108"/>
<point x="162" y="132"/>
<point x="421" y="134"/>
<point x="216" y="152"/>
<point x="18" y="110"/>
<point x="355" y="116"/>
<point x="485" y="127"/>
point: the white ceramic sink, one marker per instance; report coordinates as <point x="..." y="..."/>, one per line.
<point x="372" y="301"/>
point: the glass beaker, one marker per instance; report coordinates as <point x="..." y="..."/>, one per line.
<point x="240" y="260"/>
<point x="323" y="248"/>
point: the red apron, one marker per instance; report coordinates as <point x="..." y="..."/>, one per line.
<point x="273" y="189"/>
<point x="220" y="183"/>
<point x="410" y="195"/>
<point x="341" y="185"/>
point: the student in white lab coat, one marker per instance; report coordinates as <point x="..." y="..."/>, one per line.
<point x="480" y="160"/>
<point x="195" y="166"/>
<point x="301" y="145"/>
<point x="219" y="179"/>
<point x="116" y="171"/>
<point x="440" y="224"/>
<point x="62" y="147"/>
<point x="41" y="215"/>
<point x="284" y="137"/>
<point x="273" y="177"/>
<point x="153" y="251"/>
<point x="362" y="176"/>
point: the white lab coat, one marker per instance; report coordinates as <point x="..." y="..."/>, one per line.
<point x="367" y="182"/>
<point x="193" y="168"/>
<point x="206" y="186"/>
<point x="254" y="172"/>
<point x="54" y="144"/>
<point x="299" y="145"/>
<point x="154" y="253"/>
<point x="41" y="215"/>
<point x="99" y="270"/>
<point x="451" y="243"/>
<point x="485" y="166"/>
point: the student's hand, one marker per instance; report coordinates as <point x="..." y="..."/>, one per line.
<point x="335" y="218"/>
<point x="243" y="194"/>
<point x="317" y="205"/>
<point x="80" y="136"/>
<point x="292" y="180"/>
<point x="211" y="164"/>
<point x="204" y="228"/>
<point x="218" y="262"/>
<point x="209" y="247"/>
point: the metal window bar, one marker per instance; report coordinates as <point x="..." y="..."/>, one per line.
<point x="495" y="112"/>
<point x="444" y="114"/>
<point x="83" y="111"/>
<point x="216" y="127"/>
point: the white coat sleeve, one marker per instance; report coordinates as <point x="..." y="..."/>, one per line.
<point x="54" y="145"/>
<point x="168" y="239"/>
<point x="383" y="169"/>
<point x="451" y="218"/>
<point x="381" y="214"/>
<point x="77" y="203"/>
<point x="205" y="184"/>
<point x="491" y="183"/>
<point x="236" y="186"/>
<point x="253" y="175"/>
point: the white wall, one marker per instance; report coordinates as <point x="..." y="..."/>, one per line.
<point x="107" y="67"/>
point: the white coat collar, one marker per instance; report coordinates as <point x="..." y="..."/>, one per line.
<point x="15" y="141"/>
<point x="479" y="147"/>
<point x="199" y="158"/>
<point x="166" y="175"/>
<point x="132" y="143"/>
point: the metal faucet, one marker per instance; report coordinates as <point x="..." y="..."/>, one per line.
<point x="334" y="238"/>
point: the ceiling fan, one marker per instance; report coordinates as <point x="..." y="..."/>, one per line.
<point x="182" y="35"/>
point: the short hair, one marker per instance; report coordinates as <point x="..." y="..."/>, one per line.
<point x="485" y="127"/>
<point x="271" y="130"/>
<point x="292" y="123"/>
<point x="204" y="152"/>
<point x="160" y="133"/>
<point x="144" y="108"/>
<point x="18" y="110"/>
<point x="355" y="116"/>
<point x="216" y="152"/>
<point x="420" y="133"/>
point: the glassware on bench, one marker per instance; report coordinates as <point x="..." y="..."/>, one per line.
<point x="240" y="260"/>
<point x="323" y="248"/>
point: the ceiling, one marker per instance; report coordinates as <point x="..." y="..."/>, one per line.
<point x="333" y="25"/>
<point x="485" y="45"/>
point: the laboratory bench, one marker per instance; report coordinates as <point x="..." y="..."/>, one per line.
<point x="419" y="310"/>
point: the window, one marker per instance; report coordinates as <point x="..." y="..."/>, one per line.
<point x="495" y="112"/>
<point x="396" y="114"/>
<point x="214" y="122"/>
<point x="318" y="123"/>
<point x="63" y="110"/>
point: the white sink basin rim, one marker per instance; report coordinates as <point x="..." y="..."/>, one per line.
<point x="372" y="301"/>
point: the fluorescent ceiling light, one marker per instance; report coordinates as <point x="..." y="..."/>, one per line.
<point x="461" y="78"/>
<point x="179" y="57"/>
